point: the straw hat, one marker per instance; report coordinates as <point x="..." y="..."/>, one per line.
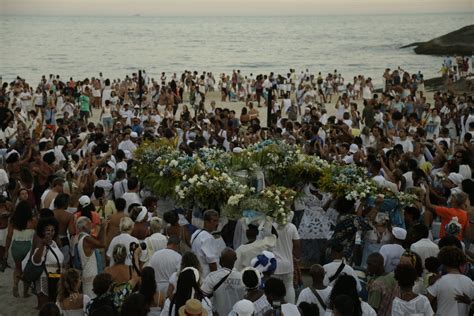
<point x="192" y="307"/>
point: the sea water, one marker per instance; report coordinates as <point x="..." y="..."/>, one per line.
<point x="31" y="46"/>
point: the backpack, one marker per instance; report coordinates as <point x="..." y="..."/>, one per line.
<point x="76" y="260"/>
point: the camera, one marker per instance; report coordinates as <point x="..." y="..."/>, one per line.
<point x="134" y="246"/>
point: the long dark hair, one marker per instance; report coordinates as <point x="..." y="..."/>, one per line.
<point x="346" y="285"/>
<point x="184" y="290"/>
<point x="148" y="285"/>
<point x="22" y="215"/>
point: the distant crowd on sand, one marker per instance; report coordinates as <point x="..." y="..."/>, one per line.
<point x="79" y="230"/>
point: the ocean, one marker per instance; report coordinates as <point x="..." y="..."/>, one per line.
<point x="84" y="46"/>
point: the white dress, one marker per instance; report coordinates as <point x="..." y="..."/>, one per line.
<point x="51" y="265"/>
<point x="89" y="268"/>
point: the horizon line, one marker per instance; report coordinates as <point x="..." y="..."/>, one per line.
<point x="238" y="15"/>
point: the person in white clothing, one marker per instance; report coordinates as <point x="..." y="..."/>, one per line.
<point x="317" y="293"/>
<point x="286" y="249"/>
<point x="453" y="292"/>
<point x="254" y="247"/>
<point x="131" y="196"/>
<point x="165" y="262"/>
<point x="393" y="252"/>
<point x="275" y="291"/>
<point x="224" y="285"/>
<point x="338" y="267"/>
<point x="203" y="243"/>
<point x="423" y="246"/>
<point x="156" y="241"/>
<point x="87" y="247"/>
<point x="346" y="287"/>
<point x="409" y="303"/>
<point x="126" y="228"/>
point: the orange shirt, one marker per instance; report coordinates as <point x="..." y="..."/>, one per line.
<point x="95" y="222"/>
<point x="446" y="214"/>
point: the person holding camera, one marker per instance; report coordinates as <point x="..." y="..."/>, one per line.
<point x="89" y="257"/>
<point x="125" y="238"/>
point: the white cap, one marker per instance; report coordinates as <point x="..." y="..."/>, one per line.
<point x="84" y="201"/>
<point x="111" y="164"/>
<point x="244" y="308"/>
<point x="44" y="140"/>
<point x="136" y="106"/>
<point x="133" y="134"/>
<point x="353" y="148"/>
<point x="399" y="233"/>
<point x="206" y="121"/>
<point x="456" y="178"/>
<point x="237" y="150"/>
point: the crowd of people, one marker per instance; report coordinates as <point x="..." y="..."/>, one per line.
<point x="81" y="233"/>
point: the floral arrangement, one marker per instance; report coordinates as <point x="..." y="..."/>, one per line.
<point x="210" y="189"/>
<point x="213" y="178"/>
<point x="274" y="202"/>
<point x="349" y="181"/>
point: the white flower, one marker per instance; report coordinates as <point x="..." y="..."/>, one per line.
<point x="173" y="163"/>
<point x="192" y="180"/>
<point x="184" y="178"/>
<point x="161" y="173"/>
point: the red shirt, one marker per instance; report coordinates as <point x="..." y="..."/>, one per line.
<point x="446" y="214"/>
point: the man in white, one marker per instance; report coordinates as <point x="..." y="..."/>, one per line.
<point x="287" y="247"/>
<point x="203" y="243"/>
<point x="165" y="262"/>
<point x="424" y="247"/>
<point x="224" y="285"/>
<point x="317" y="293"/>
<point x="393" y="252"/>
<point x="87" y="245"/>
<point x="156" y="241"/>
<point x="131" y="196"/>
<point x="129" y="142"/>
<point x="337" y="267"/>
<point x="254" y="247"/>
<point x="126" y="228"/>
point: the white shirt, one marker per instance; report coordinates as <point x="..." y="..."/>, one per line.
<point x="165" y="262"/>
<point x="131" y="198"/>
<point x="124" y="239"/>
<point x="383" y="183"/>
<point x="406" y="144"/>
<point x="284" y="248"/>
<point x="391" y="256"/>
<point x="331" y="269"/>
<point x="307" y="296"/>
<point x="155" y="242"/>
<point x="204" y="246"/>
<point x="127" y="145"/>
<point x="446" y="289"/>
<point x="120" y="187"/>
<point x="425" y="248"/>
<point x="245" y="253"/>
<point x="228" y="293"/>
<point x="420" y="305"/>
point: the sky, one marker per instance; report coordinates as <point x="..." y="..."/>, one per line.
<point x="229" y="7"/>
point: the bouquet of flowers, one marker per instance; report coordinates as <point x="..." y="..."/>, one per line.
<point x="349" y="181"/>
<point x="274" y="202"/>
<point x="211" y="189"/>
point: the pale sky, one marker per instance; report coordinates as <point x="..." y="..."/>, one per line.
<point x="230" y="7"/>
